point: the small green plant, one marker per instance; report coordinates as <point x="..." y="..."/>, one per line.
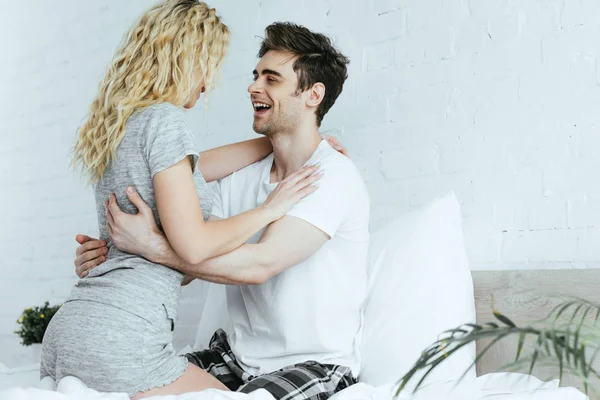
<point x="34" y="322"/>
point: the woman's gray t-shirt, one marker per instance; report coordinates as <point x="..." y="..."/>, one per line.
<point x="156" y="138"/>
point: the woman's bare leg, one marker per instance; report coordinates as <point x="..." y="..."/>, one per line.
<point x="193" y="379"/>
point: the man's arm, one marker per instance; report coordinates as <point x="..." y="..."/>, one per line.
<point x="285" y="243"/>
<point x="91" y="253"/>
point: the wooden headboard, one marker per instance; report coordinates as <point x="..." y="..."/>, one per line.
<point x="525" y="296"/>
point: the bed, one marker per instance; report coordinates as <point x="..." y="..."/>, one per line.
<point x="419" y="253"/>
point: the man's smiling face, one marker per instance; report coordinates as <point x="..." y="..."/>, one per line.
<point x="278" y="106"/>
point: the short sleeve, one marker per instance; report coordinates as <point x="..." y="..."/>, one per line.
<point x="327" y="208"/>
<point x="168" y="139"/>
<point x="217" y="199"/>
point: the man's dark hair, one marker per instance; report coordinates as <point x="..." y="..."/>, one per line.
<point x="317" y="60"/>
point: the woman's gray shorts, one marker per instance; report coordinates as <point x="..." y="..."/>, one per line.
<point x="111" y="349"/>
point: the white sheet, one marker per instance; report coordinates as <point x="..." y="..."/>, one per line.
<point x="500" y="386"/>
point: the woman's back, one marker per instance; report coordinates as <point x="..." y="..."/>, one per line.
<point x="156" y="138"/>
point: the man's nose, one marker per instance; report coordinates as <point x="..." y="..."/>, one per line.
<point x="255" y="87"/>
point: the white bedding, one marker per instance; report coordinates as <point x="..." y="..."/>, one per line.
<point x="423" y="228"/>
<point x="23" y="384"/>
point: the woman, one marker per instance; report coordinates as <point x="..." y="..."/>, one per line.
<point x="114" y="332"/>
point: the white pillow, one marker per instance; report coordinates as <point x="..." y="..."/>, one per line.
<point x="420" y="285"/>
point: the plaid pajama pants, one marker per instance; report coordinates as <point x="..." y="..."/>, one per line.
<point x="306" y="381"/>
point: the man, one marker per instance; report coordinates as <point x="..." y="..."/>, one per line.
<point x="295" y="290"/>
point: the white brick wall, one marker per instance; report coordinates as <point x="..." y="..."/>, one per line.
<point x="497" y="100"/>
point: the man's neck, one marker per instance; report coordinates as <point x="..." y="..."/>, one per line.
<point x="290" y="152"/>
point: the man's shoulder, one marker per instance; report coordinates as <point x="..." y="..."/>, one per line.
<point x="341" y="169"/>
<point x="340" y="206"/>
<point x="327" y="157"/>
<point x="252" y="171"/>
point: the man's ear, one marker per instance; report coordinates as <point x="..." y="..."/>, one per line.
<point x="317" y="93"/>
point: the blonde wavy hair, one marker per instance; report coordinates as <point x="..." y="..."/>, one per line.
<point x="156" y="63"/>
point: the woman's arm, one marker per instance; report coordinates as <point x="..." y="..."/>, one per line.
<point x="196" y="241"/>
<point x="222" y="161"/>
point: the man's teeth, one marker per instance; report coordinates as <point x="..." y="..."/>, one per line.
<point x="261" y="105"/>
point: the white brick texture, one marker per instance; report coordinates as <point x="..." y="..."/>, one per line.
<point x="497" y="100"/>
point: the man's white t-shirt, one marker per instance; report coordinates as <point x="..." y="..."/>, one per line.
<point x="313" y="310"/>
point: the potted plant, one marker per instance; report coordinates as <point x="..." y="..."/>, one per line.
<point x="33" y="323"/>
<point x="568" y="338"/>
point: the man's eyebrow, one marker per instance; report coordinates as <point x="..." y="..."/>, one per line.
<point x="268" y="72"/>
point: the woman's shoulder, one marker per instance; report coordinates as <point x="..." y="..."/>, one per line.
<point x="162" y="119"/>
<point x="159" y="111"/>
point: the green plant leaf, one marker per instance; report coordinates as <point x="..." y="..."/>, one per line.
<point x="535" y="355"/>
<point x="559" y="354"/>
<point x="520" y="345"/>
<point x="584" y="371"/>
<point x="482" y="353"/>
<point x="563" y="308"/>
<point x="503" y="319"/>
